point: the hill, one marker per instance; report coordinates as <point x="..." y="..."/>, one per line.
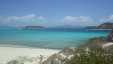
<point x="107" y="25"/>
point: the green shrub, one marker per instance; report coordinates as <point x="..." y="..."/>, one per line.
<point x="91" y="57"/>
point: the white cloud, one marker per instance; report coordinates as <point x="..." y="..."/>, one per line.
<point x="15" y="21"/>
<point x="76" y="19"/>
<point x="71" y="20"/>
<point x="109" y="19"/>
<point x="32" y="19"/>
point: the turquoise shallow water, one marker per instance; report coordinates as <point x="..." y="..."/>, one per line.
<point x="48" y="38"/>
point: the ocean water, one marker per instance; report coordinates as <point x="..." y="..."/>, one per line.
<point x="48" y="38"/>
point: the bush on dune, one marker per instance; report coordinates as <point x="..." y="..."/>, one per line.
<point x="91" y="57"/>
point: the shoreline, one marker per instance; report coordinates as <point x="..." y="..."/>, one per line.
<point x="8" y="53"/>
<point x="20" y="46"/>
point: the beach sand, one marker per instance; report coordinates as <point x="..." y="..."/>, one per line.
<point x="10" y="53"/>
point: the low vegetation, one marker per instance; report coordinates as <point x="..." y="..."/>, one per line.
<point x="91" y="58"/>
<point x="96" y="55"/>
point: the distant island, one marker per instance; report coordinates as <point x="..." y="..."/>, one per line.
<point x="68" y="26"/>
<point x="107" y="25"/>
<point x="33" y="27"/>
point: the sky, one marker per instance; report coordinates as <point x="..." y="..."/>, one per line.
<point x="50" y="13"/>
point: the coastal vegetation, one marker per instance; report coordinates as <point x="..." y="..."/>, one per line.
<point x="84" y="54"/>
<point x="92" y="57"/>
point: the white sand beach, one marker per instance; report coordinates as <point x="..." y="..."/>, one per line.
<point x="11" y="53"/>
<point x="107" y="44"/>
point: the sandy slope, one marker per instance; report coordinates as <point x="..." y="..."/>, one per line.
<point x="9" y="53"/>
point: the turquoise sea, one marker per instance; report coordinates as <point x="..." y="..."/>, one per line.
<point x="48" y="38"/>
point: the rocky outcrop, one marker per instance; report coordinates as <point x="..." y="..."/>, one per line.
<point x="110" y="36"/>
<point x="97" y="40"/>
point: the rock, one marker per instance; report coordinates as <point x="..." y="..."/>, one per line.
<point x="97" y="41"/>
<point x="110" y="36"/>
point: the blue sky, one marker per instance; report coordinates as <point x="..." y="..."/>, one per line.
<point x="17" y="13"/>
